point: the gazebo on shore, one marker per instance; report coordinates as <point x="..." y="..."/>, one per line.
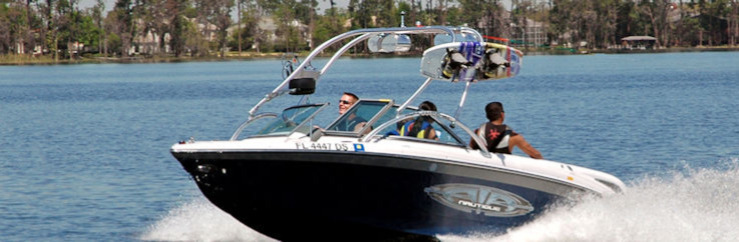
<point x="638" y="42"/>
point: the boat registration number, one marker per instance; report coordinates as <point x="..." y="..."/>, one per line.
<point x="322" y="146"/>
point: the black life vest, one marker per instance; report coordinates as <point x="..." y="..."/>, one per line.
<point x="496" y="137"/>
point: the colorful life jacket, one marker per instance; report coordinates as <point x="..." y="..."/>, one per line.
<point x="424" y="132"/>
<point x="496" y="137"/>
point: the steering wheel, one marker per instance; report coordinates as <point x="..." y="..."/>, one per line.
<point x="288" y="122"/>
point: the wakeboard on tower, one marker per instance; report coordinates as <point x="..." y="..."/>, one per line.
<point x="471" y="61"/>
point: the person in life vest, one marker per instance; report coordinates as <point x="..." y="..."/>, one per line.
<point x="500" y="138"/>
<point x="421" y="127"/>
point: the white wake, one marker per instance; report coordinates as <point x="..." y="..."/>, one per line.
<point x="200" y="220"/>
<point x="695" y="205"/>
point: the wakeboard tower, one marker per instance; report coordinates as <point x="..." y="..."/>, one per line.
<point x="290" y="180"/>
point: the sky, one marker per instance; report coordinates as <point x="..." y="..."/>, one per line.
<point x="89" y="3"/>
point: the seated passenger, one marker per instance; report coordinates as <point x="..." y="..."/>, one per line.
<point x="421" y="127"/>
<point x="499" y="137"/>
<point x="353" y="123"/>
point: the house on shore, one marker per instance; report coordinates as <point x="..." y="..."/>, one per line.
<point x="638" y="42"/>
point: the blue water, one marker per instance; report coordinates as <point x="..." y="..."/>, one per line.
<point x="84" y="148"/>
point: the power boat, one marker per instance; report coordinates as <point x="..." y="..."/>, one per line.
<point x="298" y="173"/>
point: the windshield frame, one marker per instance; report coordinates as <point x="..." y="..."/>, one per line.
<point x="319" y="107"/>
<point x="374" y="135"/>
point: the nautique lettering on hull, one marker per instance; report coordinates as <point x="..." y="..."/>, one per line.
<point x="480" y="199"/>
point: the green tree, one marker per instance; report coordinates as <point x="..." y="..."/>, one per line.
<point x="114" y="42"/>
<point x="656" y="13"/>
<point x="87" y="31"/>
<point x="690" y="31"/>
<point x="373" y="13"/>
<point x="287" y="27"/>
<point x="4" y="29"/>
<point x="215" y="13"/>
<point x="31" y="23"/>
<point x="62" y="16"/>
<point x="605" y="28"/>
<point x="561" y="18"/>
<point x="455" y="16"/>
<point x="176" y="10"/>
<point x="305" y="13"/>
<point x="626" y="19"/>
<point x="12" y="19"/>
<point x="486" y="16"/>
<point x="124" y="25"/>
<point x="195" y="41"/>
<point x="713" y="17"/>
<point x="153" y="16"/>
<point x="97" y="17"/>
<point x="73" y="29"/>
<point x="734" y="23"/>
<point x="239" y="5"/>
<point x="247" y="34"/>
<point x="330" y="25"/>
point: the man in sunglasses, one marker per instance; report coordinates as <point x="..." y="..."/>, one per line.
<point x="352" y="123"/>
<point x="346" y="101"/>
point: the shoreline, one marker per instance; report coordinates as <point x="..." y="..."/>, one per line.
<point x="21" y="60"/>
<point x="634" y="51"/>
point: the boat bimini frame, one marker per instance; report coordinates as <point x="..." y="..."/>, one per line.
<point x="379" y="40"/>
<point x="306" y="70"/>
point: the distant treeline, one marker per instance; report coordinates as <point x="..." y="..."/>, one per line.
<point x="61" y="29"/>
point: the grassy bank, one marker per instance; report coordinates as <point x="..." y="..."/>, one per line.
<point x="25" y="59"/>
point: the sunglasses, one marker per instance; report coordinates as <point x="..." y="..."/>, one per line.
<point x="344" y="102"/>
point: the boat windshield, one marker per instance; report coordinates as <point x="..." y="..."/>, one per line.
<point x="360" y="115"/>
<point x="292" y="118"/>
<point x="374" y="114"/>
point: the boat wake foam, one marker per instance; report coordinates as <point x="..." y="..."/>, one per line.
<point x="200" y="220"/>
<point x="689" y="205"/>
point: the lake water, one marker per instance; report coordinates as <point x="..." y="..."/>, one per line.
<point x="84" y="149"/>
